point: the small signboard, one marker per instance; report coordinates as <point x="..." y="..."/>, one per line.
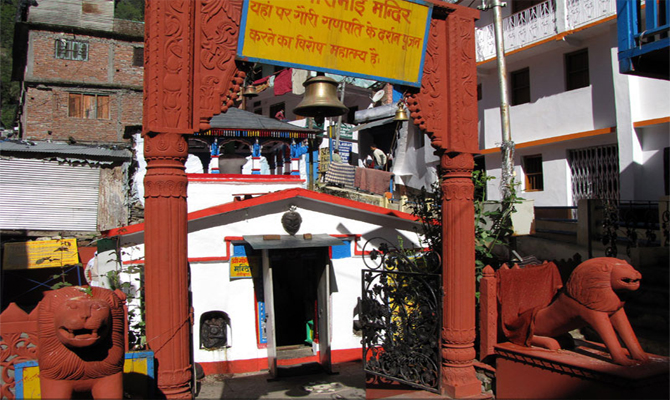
<point x="345" y="151"/>
<point x="243" y="266"/>
<point x="373" y="39"/>
<point x="346" y="132"/>
<point x="40" y="254"/>
<point x="239" y="268"/>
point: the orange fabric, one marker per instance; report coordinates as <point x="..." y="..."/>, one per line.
<point x="521" y="293"/>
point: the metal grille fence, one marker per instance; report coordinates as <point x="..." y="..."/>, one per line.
<point x="595" y="173"/>
<point x="401" y="317"/>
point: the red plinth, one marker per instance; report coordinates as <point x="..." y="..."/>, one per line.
<point x="585" y="373"/>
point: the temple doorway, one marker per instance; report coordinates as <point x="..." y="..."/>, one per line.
<point x="297" y="296"/>
<point x="295" y="284"/>
<point x="294" y="277"/>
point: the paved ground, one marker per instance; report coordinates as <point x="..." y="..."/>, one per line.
<point x="348" y="382"/>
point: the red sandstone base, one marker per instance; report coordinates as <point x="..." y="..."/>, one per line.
<point x="585" y="373"/>
<point x="380" y="388"/>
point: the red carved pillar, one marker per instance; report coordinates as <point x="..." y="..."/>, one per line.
<point x="166" y="270"/>
<point x="190" y="75"/>
<point x="168" y="115"/>
<point x="458" y="276"/>
<point x="446" y="109"/>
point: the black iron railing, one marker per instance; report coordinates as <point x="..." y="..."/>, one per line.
<point x="401" y="315"/>
<point x="633" y="224"/>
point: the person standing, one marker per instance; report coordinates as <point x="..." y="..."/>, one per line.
<point x="379" y="156"/>
<point x="336" y="156"/>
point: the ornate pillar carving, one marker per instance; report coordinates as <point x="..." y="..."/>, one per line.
<point x="167" y="307"/>
<point x="446" y="110"/>
<point x="190" y="75"/>
<point x="458" y="275"/>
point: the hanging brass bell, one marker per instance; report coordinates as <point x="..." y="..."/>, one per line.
<point x="400" y="113"/>
<point x="320" y="99"/>
<point x="250" y="91"/>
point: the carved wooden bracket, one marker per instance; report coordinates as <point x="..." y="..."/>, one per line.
<point x="445" y="107"/>
<point x="190" y="63"/>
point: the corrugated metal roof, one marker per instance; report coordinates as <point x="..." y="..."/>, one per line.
<point x="8" y="147"/>
<point x="46" y="195"/>
<point x="235" y="118"/>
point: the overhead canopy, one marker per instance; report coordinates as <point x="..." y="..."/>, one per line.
<point x="240" y="123"/>
<point x="372" y="124"/>
<point x="259" y="242"/>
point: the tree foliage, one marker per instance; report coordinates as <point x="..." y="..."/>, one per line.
<point x="129" y="9"/>
<point x="428" y="207"/>
<point x="9" y="91"/>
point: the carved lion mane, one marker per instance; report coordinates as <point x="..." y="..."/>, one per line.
<point x="80" y="333"/>
<point x="594" y="283"/>
<point x="592" y="297"/>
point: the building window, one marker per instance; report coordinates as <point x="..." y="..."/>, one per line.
<point x="532" y="169"/>
<point x="577" y="69"/>
<point x="595" y="172"/>
<point x="138" y="56"/>
<point x="277" y="111"/>
<point x="88" y="106"/>
<point x="521" y="86"/>
<point x="66" y="49"/>
<point x="479" y="91"/>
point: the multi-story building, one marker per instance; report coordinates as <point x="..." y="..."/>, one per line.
<point x="68" y="173"/>
<point x="581" y="128"/>
<point x="81" y="72"/>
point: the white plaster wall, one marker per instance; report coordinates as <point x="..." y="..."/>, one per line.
<point x="653" y="140"/>
<point x="552" y="111"/>
<point x="203" y="195"/>
<point x="650" y="98"/>
<point x="212" y="289"/>
<point x="343" y="302"/>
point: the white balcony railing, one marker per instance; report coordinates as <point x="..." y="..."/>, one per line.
<point x="584" y="12"/>
<point x="541" y="22"/>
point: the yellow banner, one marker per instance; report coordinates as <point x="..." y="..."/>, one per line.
<point x="377" y="39"/>
<point x="40" y="254"/>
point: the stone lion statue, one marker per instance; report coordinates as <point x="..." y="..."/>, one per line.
<point x="592" y="297"/>
<point x="81" y="342"/>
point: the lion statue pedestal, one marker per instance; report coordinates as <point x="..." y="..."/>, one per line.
<point x="537" y="314"/>
<point x="81" y="342"/>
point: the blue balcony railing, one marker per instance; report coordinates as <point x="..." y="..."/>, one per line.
<point x="643" y="36"/>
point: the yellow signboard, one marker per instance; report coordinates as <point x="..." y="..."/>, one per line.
<point x="40" y="254"/>
<point x="376" y="39"/>
<point x="239" y="268"/>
